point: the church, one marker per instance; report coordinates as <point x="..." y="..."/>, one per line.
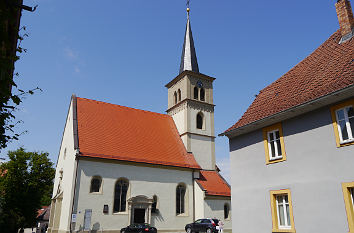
<point x="119" y="166"/>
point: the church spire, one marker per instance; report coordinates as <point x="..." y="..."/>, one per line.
<point x="189" y="57"/>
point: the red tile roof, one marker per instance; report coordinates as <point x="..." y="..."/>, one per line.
<point x="213" y="184"/>
<point x="111" y="131"/>
<point x="41" y="211"/>
<point x="43" y="214"/>
<point x="328" y="69"/>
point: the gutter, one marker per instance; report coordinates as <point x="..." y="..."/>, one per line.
<point x="236" y="131"/>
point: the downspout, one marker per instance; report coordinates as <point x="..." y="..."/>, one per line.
<point x="77" y="149"/>
<point x="72" y="207"/>
<point x="193" y="196"/>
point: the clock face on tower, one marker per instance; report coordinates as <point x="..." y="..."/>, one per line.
<point x="199" y="84"/>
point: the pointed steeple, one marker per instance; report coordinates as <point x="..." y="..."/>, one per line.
<point x="189" y="57"/>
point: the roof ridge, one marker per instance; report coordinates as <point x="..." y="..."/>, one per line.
<point x="121" y="106"/>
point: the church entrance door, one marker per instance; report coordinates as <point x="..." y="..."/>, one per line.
<point x="139" y="209"/>
<point x="139" y="215"/>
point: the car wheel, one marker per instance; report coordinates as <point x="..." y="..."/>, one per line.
<point x="189" y="230"/>
<point x="123" y="231"/>
<point x="208" y="230"/>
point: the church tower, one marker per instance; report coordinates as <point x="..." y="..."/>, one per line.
<point x="190" y="103"/>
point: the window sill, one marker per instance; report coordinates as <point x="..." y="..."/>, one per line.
<point x="182" y="215"/>
<point x="276" y="160"/>
<point x="120" y="213"/>
<point x="347" y="143"/>
<point x="283" y="230"/>
<point x="96" y="193"/>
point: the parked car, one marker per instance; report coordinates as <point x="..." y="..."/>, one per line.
<point x="208" y="225"/>
<point x="139" y="228"/>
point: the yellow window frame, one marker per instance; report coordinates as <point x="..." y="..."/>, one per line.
<point x="279" y="127"/>
<point x="348" y="204"/>
<point x="334" y="121"/>
<point x="273" y="203"/>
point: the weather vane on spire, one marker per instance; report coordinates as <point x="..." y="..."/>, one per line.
<point x="188" y="9"/>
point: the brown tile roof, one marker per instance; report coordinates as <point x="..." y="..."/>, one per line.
<point x="214" y="184"/>
<point x="328" y="69"/>
<point x="112" y="131"/>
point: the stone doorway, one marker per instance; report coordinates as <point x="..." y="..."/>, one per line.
<point x="139" y="209"/>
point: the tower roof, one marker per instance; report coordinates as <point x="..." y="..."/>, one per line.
<point x="189" y="56"/>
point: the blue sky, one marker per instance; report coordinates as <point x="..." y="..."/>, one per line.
<point x="124" y="52"/>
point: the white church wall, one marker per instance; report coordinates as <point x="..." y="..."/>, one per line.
<point x="66" y="164"/>
<point x="185" y="141"/>
<point x="180" y="122"/>
<point x="203" y="150"/>
<point x="199" y="201"/>
<point x="143" y="180"/>
<point x="215" y="208"/>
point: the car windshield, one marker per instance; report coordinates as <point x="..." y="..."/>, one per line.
<point x="216" y="221"/>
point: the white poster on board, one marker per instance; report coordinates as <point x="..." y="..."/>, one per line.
<point x="87" y="219"/>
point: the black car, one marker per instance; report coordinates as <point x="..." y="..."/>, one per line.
<point x="208" y="225"/>
<point x="139" y="228"/>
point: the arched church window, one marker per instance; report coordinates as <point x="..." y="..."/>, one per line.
<point x="154" y="204"/>
<point x="175" y="97"/>
<point x="96" y="182"/>
<point x="202" y="94"/>
<point x="120" y="195"/>
<point x="200" y="120"/>
<point x="195" y="93"/>
<point x="226" y="211"/>
<point x="179" y="95"/>
<point x="180" y="199"/>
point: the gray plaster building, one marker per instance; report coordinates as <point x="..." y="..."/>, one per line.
<point x="292" y="152"/>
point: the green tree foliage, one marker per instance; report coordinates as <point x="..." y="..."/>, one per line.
<point x="26" y="180"/>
